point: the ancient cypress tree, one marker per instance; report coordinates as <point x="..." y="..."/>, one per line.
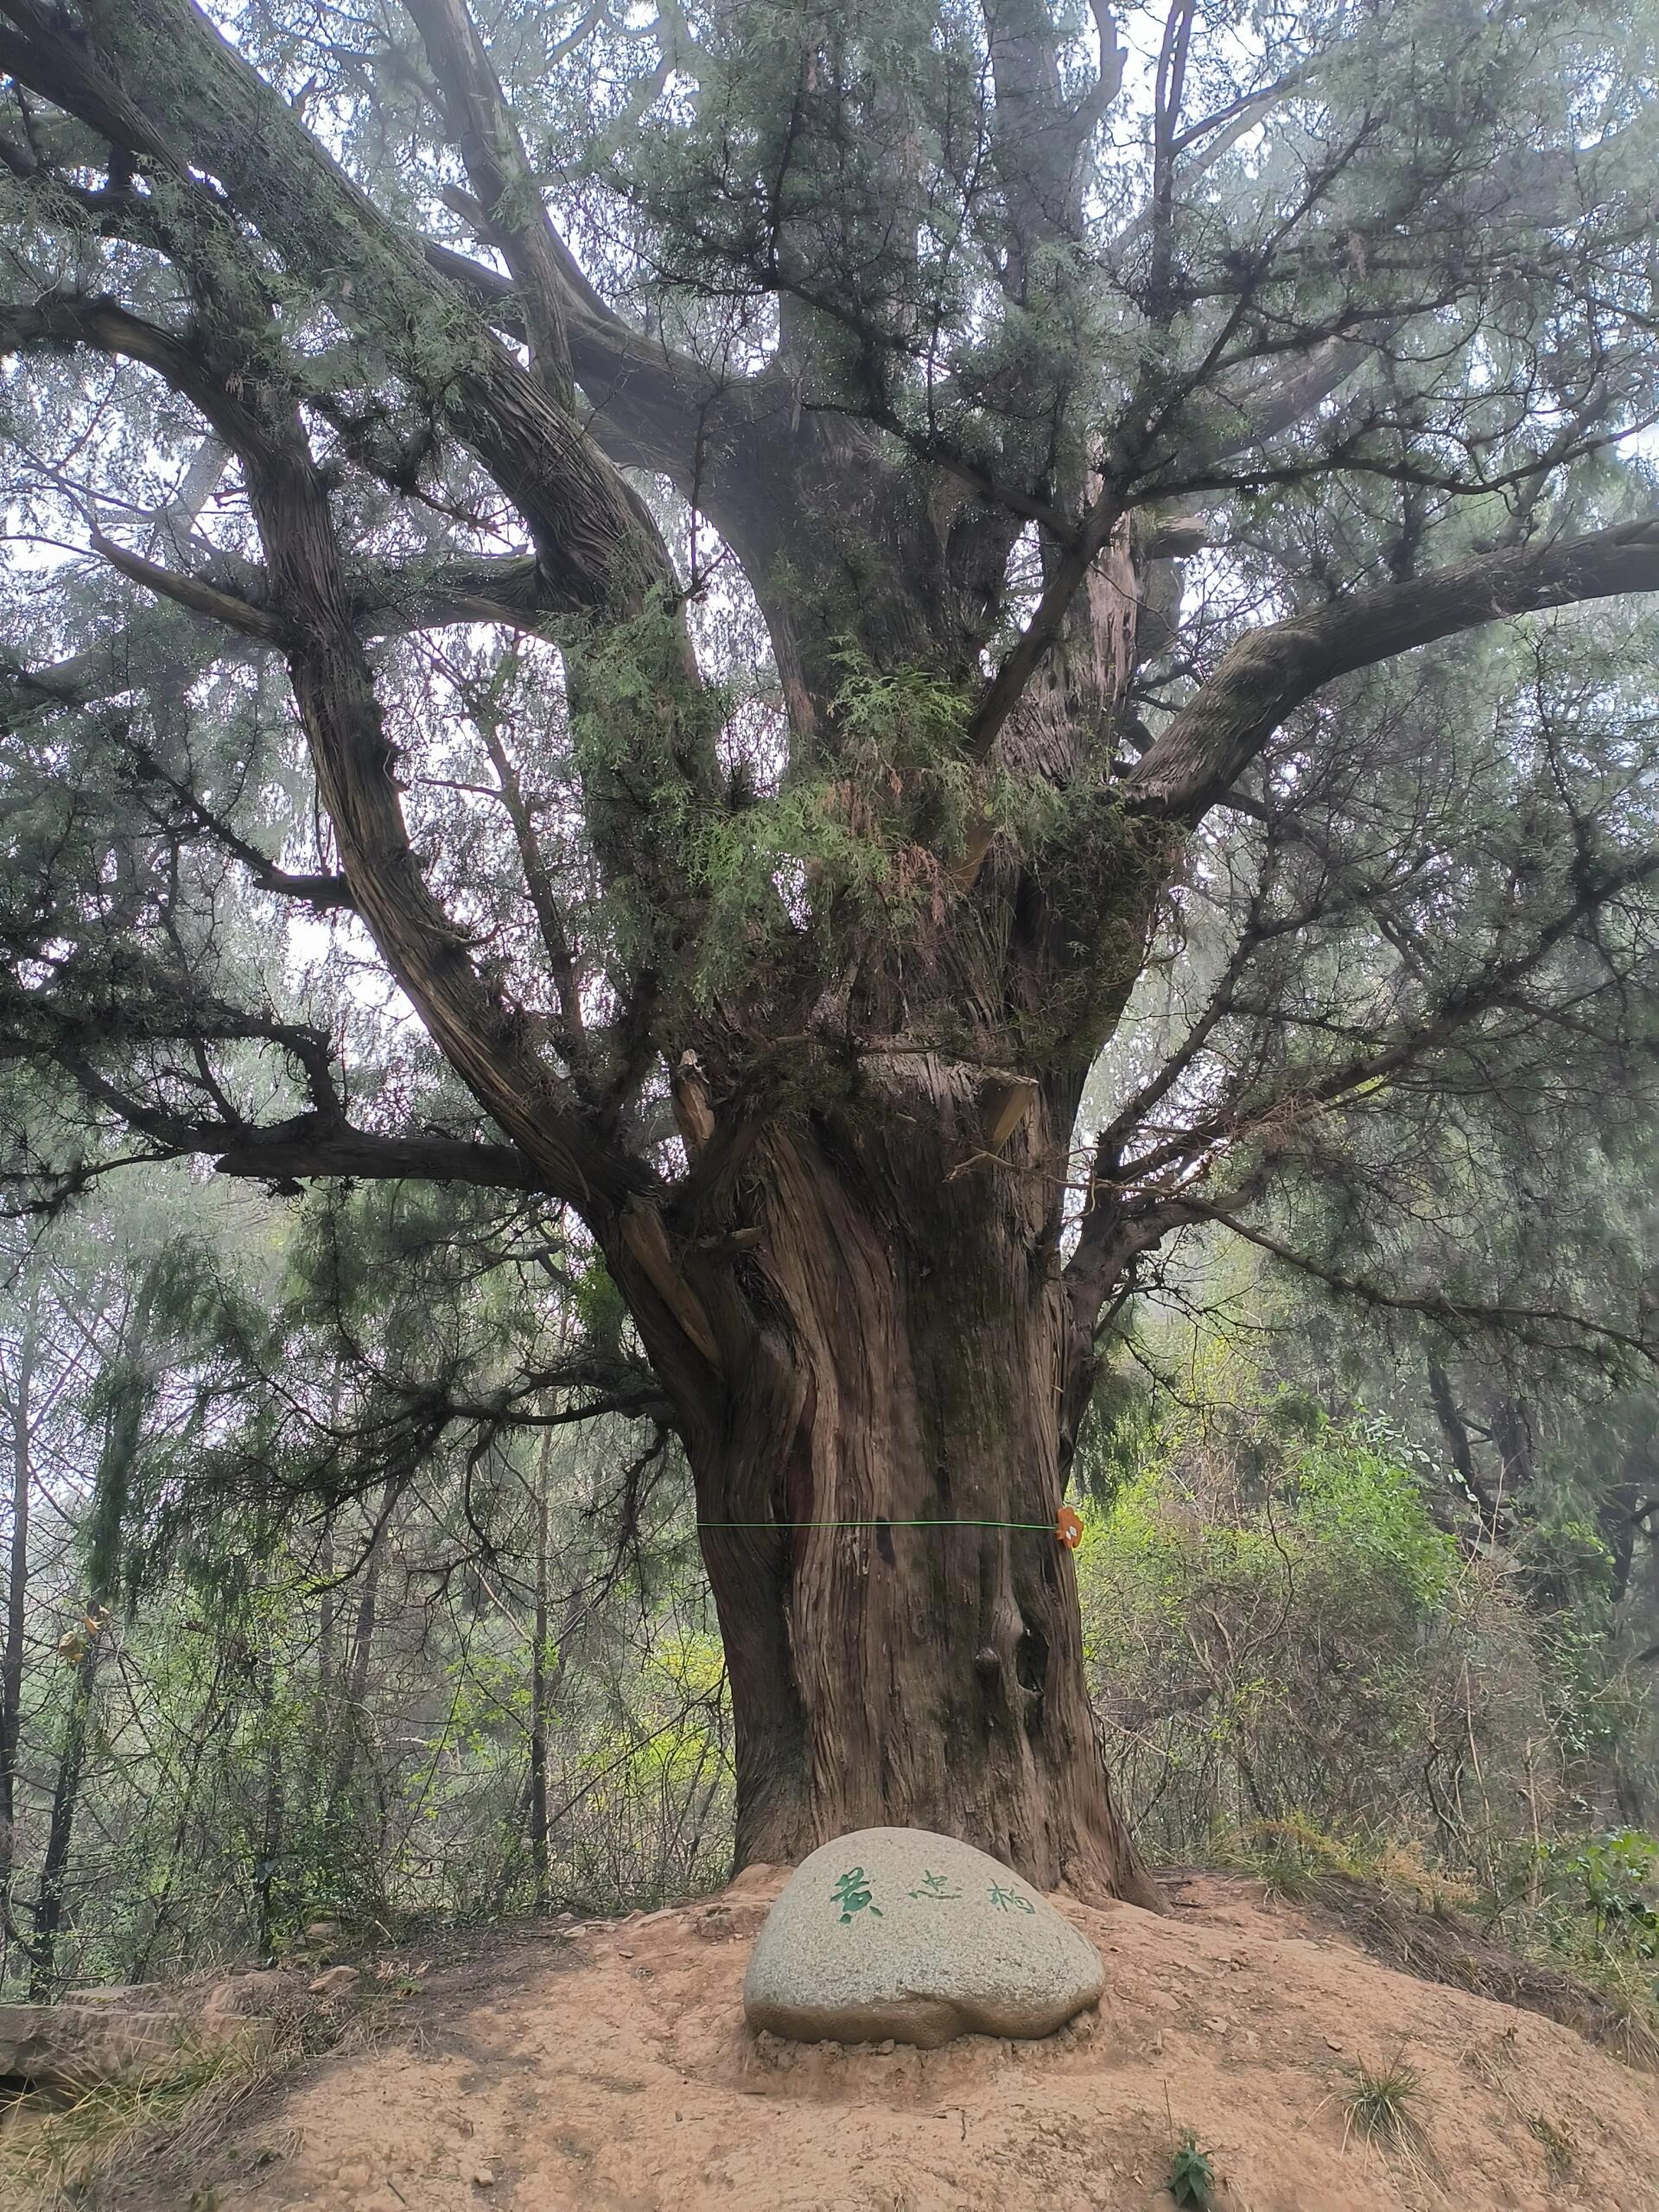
<point x="772" y="564"/>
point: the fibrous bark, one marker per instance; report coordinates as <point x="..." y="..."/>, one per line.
<point x="879" y="1500"/>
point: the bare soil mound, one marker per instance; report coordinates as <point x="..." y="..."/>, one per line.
<point x="607" y="2068"/>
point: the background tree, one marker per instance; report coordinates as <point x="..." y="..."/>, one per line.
<point x="341" y="1519"/>
<point x="48" y="1353"/>
<point x="765" y="564"/>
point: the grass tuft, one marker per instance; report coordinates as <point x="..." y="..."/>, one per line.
<point x="1381" y="2106"/>
<point x="1558" y="2142"/>
<point x="54" y="2156"/>
<point x="62" y="2148"/>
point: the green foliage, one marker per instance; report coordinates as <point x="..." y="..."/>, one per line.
<point x="1353" y="1495"/>
<point x="901" y="720"/>
<point x="1340" y="1507"/>
<point x="1191" y="2178"/>
<point x="598" y="1302"/>
<point x="848" y="853"/>
<point x="1614" y="1878"/>
<point x="1285" y="1644"/>
<point x="316" y="1695"/>
<point x="1301" y="1671"/>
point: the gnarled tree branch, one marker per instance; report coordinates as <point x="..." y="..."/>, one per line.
<point x="1268" y="673"/>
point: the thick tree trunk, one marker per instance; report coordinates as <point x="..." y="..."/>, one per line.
<point x="908" y="1649"/>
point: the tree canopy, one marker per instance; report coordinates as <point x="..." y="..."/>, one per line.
<point x="680" y="614"/>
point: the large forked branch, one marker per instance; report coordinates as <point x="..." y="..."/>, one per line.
<point x="201" y="102"/>
<point x="657" y="408"/>
<point x="674" y="414"/>
<point x="1041" y="137"/>
<point x="389" y="600"/>
<point x="598" y="552"/>
<point x="197" y="594"/>
<point x="1268" y="673"/>
<point x="319" y="1140"/>
<point x="310" y="1145"/>
<point x="483" y="1039"/>
<point x="477" y="120"/>
<point x="653" y="409"/>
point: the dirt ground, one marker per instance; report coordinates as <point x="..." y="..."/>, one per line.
<point x="607" y="2068"/>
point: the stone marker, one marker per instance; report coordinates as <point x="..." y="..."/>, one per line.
<point x="900" y="1932"/>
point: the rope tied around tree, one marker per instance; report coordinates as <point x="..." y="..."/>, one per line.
<point x="1065" y="1528"/>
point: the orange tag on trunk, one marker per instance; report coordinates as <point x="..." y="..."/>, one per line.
<point x="1068" y="1529"/>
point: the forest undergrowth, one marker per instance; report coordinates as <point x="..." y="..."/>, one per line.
<point x="1305" y="1662"/>
<point x="1309" y="1664"/>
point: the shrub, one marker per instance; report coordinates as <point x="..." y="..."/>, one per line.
<point x="1283" y="1643"/>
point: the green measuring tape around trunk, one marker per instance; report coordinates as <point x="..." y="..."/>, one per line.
<point x="1064" y="1528"/>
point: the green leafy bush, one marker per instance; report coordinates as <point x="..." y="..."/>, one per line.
<point x="1284" y="1644"/>
<point x="1614" y="1879"/>
<point x="1191" y="2176"/>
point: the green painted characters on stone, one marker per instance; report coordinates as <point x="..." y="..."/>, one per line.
<point x="853" y="1895"/>
<point x="933" y="1885"/>
<point x="1007" y="1900"/>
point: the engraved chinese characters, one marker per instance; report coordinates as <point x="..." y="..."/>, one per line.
<point x="900" y="1932"/>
